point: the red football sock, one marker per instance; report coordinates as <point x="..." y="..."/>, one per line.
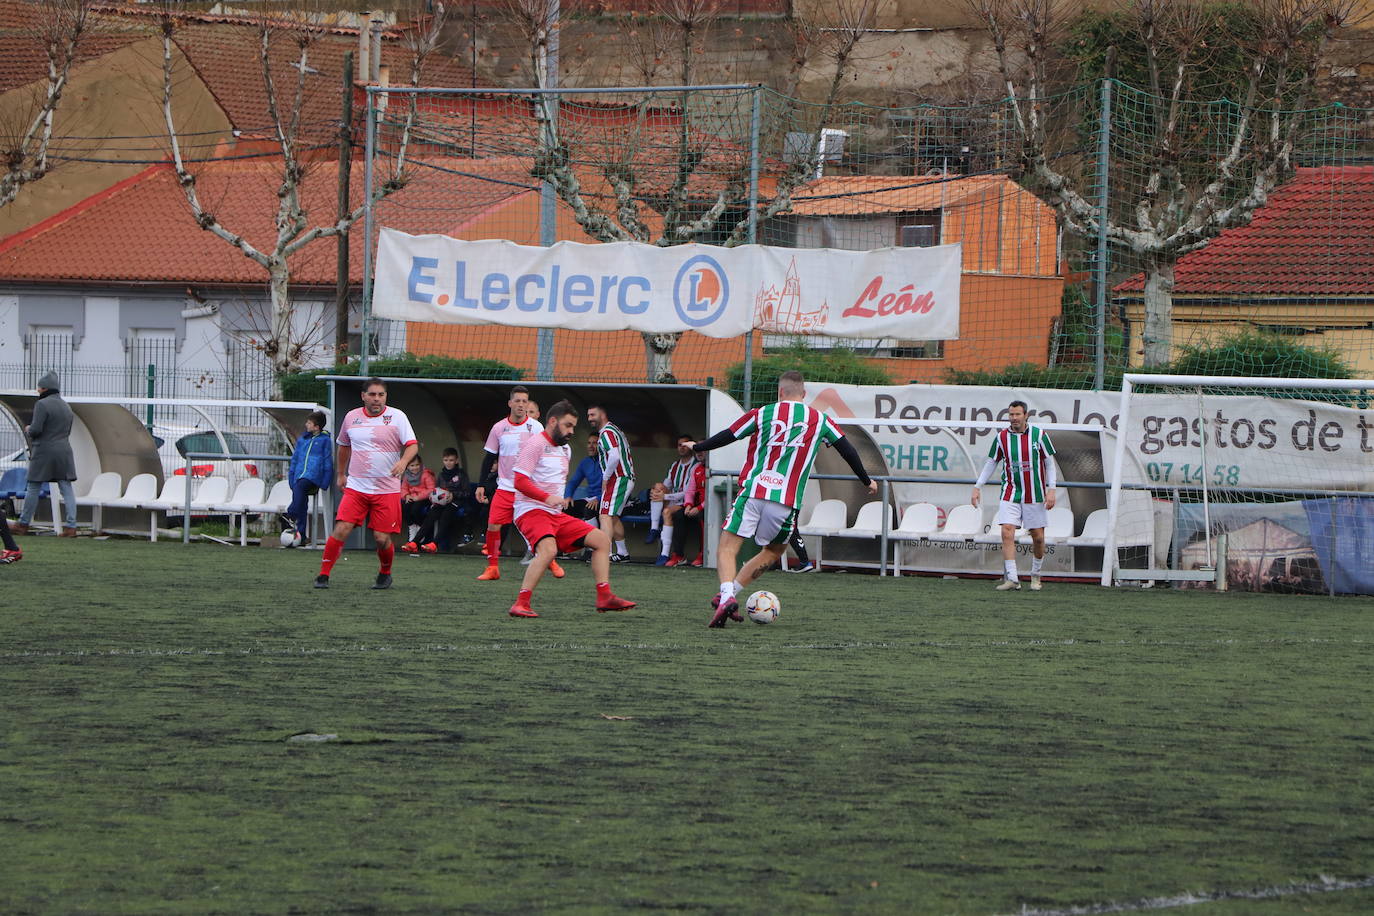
<point x="524" y="597"/>
<point x="332" y="548"/>
<point x="603" y="590"/>
<point x="386" y="555"/>
<point x="493" y="546"/>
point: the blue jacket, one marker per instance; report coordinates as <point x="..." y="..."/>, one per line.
<point x="588" y="472"/>
<point x="313" y="460"/>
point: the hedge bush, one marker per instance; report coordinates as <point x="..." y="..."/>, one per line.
<point x="306" y="386"/>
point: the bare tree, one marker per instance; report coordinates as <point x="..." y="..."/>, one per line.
<point x="687" y="183"/>
<point x="1190" y="181"/>
<point x="26" y="131"/>
<point x="286" y="346"/>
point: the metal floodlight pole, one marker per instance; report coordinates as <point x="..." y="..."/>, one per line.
<point x="1104" y="147"/>
<point x="368" y="220"/>
<point x="548" y="197"/>
<point x="755" y="118"/>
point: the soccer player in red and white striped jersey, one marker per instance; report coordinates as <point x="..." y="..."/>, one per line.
<point x="784" y="439"/>
<point x="540" y="474"/>
<point x="503" y="444"/>
<point x="375" y="443"/>
<point x="1028" y="481"/>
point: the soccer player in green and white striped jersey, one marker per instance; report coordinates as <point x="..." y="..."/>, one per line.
<point x="1028" y="481"/>
<point x="783" y="441"/>
<point x="617" y="478"/>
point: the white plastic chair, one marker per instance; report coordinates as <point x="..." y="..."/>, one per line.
<point x="827" y="520"/>
<point x="964" y="523"/>
<point x="919" y="522"/>
<point x="106" y="486"/>
<point x="141" y="488"/>
<point x="171" y="499"/>
<point x="250" y="492"/>
<point x="277" y="501"/>
<point x="1059" y="525"/>
<point x="212" y="494"/>
<point x="867" y="524"/>
<point x="1094" y="533"/>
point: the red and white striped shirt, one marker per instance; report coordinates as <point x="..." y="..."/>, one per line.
<point x="376" y="445"/>
<point x="546" y="466"/>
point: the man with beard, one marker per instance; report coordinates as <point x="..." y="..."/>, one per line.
<point x="375" y="445"/>
<point x="541" y="473"/>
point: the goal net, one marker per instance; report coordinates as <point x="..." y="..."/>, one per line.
<point x="1246" y="483"/>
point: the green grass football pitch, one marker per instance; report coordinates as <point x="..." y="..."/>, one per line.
<point x="889" y="746"/>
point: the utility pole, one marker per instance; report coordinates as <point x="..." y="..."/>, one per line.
<point x="345" y="208"/>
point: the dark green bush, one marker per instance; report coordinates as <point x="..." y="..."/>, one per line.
<point x="835" y="364"/>
<point x="306" y="386"/>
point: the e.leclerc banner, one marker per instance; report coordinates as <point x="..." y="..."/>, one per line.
<point x="907" y="293"/>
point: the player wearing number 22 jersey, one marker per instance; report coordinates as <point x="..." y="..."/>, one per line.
<point x="784" y="439"/>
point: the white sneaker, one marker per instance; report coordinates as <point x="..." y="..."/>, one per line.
<point x="1035" y="583"/>
<point x="1009" y="585"/>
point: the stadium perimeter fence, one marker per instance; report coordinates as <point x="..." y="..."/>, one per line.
<point x="1053" y="308"/>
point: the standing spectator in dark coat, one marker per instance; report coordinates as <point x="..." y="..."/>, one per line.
<point x="312" y="468"/>
<point x="50" y="455"/>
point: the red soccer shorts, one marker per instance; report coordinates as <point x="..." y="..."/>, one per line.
<point x="567" y="532"/>
<point x="385" y="509"/>
<point x="502" y="508"/>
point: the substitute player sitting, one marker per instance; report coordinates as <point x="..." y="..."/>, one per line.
<point x="540" y="474"/>
<point x="783" y="441"/>
<point x="375" y="445"/>
<point x="1028" y="480"/>
<point x="666" y="497"/>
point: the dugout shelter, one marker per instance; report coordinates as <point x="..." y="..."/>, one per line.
<point x="460" y="413"/>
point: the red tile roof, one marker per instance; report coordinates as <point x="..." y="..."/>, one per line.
<point x="1315" y="238"/>
<point x="22" y="57"/>
<point x="141" y="230"/>
<point x="225" y="52"/>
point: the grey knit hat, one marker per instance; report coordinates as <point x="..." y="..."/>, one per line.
<point x="49" y="381"/>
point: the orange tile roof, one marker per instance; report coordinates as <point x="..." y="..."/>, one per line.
<point x="867" y="195"/>
<point x="22" y="57"/>
<point x="224" y="50"/>
<point x="1314" y="238"/>
<point x="142" y="231"/>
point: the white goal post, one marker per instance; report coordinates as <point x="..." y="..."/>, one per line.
<point x="1222" y="459"/>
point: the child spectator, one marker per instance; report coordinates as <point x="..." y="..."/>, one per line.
<point x="452" y="504"/>
<point x="311" y="470"/>
<point x="417" y="483"/>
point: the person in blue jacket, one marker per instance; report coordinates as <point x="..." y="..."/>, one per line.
<point x="584" y="486"/>
<point x="312" y="468"/>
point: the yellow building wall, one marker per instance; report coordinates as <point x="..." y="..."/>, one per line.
<point x="118" y="95"/>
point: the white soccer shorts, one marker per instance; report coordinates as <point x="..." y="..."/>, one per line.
<point x="1023" y="515"/>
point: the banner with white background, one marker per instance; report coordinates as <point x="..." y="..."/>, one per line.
<point x="1250" y="442"/>
<point x="903" y="293"/>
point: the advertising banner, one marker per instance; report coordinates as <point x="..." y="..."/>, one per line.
<point x="905" y="293"/>
<point x="1250" y="442"/>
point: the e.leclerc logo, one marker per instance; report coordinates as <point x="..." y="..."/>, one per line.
<point x="701" y="291"/>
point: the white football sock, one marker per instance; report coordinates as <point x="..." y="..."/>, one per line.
<point x="728" y="589"/>
<point x="1036" y="564"/>
<point x="656" y="514"/>
<point x="667" y="539"/>
<point x="1010" y="566"/>
<point x="621" y="549"/>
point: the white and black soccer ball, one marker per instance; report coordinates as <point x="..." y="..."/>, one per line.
<point x="291" y="538"/>
<point x="763" y="607"/>
<point x="441" y="497"/>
